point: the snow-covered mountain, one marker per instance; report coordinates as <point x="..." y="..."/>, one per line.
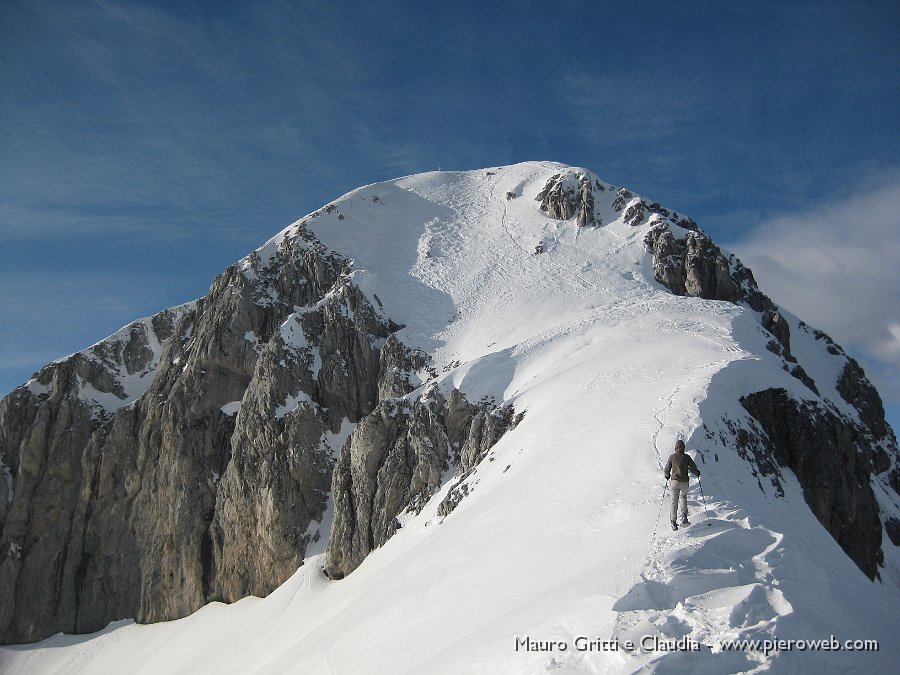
<point x="428" y="423"/>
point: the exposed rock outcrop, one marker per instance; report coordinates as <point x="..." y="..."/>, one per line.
<point x="395" y="461"/>
<point x="834" y="461"/>
<point x="693" y="265"/>
<point x="319" y="369"/>
<point x="774" y="322"/>
<point x="892" y="526"/>
<point x="570" y="194"/>
<point x="856" y="389"/>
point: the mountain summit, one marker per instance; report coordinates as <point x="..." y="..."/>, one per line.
<point x="429" y="422"/>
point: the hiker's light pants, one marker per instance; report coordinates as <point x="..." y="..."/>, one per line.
<point x="679" y="497"/>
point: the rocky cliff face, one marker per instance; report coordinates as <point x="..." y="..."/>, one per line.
<point x="210" y="482"/>
<point x="50" y="429"/>
<point x="396" y="461"/>
<point x="834" y="460"/>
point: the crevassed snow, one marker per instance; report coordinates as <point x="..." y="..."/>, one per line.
<point x="563" y="534"/>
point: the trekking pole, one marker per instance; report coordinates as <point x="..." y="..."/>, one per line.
<point x="703" y="496"/>
<point x="656" y="525"/>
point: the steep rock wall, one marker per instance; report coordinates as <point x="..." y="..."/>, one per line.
<point x="395" y="461"/>
<point x="834" y="460"/>
<point x="210" y="483"/>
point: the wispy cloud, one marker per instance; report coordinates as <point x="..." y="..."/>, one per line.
<point x="835" y="266"/>
<point x="163" y="120"/>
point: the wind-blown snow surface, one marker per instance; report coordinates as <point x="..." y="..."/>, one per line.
<point x="556" y="538"/>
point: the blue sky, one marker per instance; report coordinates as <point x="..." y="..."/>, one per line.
<point x="144" y="146"/>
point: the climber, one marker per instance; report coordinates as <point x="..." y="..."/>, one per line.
<point x="677" y="474"/>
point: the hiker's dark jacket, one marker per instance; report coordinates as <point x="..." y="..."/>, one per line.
<point x="678" y="466"/>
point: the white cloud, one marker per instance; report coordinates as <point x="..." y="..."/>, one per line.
<point x="836" y="266"/>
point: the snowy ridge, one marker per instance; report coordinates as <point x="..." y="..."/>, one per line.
<point x="117" y="370"/>
<point x="560" y="534"/>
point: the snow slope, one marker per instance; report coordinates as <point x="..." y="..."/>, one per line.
<point x="560" y="536"/>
